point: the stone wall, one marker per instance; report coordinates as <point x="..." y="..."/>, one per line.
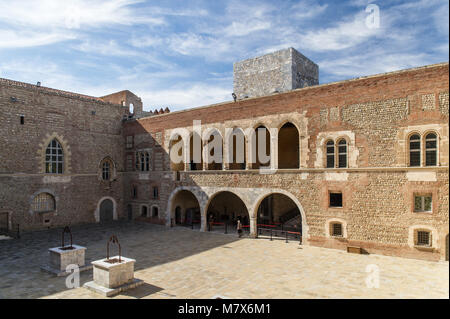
<point x="375" y="115"/>
<point x="276" y="72"/>
<point x="87" y="128"/>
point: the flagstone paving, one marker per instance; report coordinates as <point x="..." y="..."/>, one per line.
<point x="183" y="263"/>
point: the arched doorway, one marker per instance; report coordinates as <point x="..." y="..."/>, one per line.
<point x="106" y="211"/>
<point x="261" y="138"/>
<point x="278" y="211"/>
<point x="155" y="211"/>
<point x="144" y="211"/>
<point x="226" y="208"/>
<point x="178" y="215"/>
<point x="187" y="208"/>
<point x="288" y="146"/>
<point x="130" y="212"/>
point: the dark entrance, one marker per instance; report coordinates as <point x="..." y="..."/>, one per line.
<point x="106" y="211"/>
<point x="278" y="211"/>
<point x="4" y="223"/>
<point x="130" y="212"/>
<point x="178" y="215"/>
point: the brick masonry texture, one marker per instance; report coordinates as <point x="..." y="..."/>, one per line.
<point x="374" y="114"/>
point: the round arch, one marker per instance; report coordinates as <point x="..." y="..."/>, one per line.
<point x="232" y="140"/>
<point x="173" y="203"/>
<point x="227" y="206"/>
<point x="97" y="211"/>
<point x="175" y="139"/>
<point x="304" y="225"/>
<point x="288" y="146"/>
<point x="208" y="136"/>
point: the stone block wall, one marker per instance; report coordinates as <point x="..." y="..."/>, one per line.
<point x="276" y="72"/>
<point x="88" y="130"/>
<point x="374" y="113"/>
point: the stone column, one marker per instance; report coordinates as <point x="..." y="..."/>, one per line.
<point x="253" y="226"/>
<point x="186" y="154"/>
<point x="203" y="222"/>
<point x="273" y="148"/>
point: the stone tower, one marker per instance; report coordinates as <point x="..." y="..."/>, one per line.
<point x="276" y="72"/>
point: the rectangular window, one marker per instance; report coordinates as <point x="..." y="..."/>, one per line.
<point x="336" y="230"/>
<point x="155" y="193"/>
<point x="423" y="238"/>
<point x="22" y="120"/>
<point x="335" y="199"/>
<point x="423" y="203"/>
<point x="129" y="141"/>
<point x="430" y="158"/>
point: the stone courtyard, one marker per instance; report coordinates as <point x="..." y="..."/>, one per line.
<point x="183" y="263"/>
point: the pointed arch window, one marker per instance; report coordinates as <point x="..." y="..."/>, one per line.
<point x="54" y="158"/>
<point x="106" y="171"/>
<point x="430" y="149"/>
<point x="414" y="150"/>
<point x="330" y="154"/>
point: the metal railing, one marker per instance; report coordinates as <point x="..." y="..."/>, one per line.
<point x="285" y="234"/>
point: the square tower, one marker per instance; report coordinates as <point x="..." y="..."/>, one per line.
<point x="276" y="72"/>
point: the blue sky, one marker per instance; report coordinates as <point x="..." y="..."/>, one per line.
<point x="180" y="53"/>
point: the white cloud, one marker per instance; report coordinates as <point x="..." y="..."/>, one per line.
<point x="239" y="29"/>
<point x="307" y="9"/>
<point x="178" y="98"/>
<point x="378" y="61"/>
<point x="71" y="14"/>
<point x="344" y="35"/>
<point x="23" y="39"/>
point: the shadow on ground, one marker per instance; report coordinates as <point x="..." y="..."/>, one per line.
<point x="150" y="245"/>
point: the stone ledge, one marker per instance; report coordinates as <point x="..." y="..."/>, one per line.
<point x="108" y="292"/>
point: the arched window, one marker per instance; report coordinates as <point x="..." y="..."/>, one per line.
<point x="176" y="153"/>
<point x="288" y="146"/>
<point x="195" y="152"/>
<point x="54" y="158"/>
<point x="237" y="150"/>
<point x="342" y="153"/>
<point x="336" y="230"/>
<point x="430" y="149"/>
<point x="215" y="151"/>
<point x="44" y="202"/>
<point x="262" y="148"/>
<point x="106" y="171"/>
<point x="330" y="154"/>
<point x="142" y="161"/>
<point x="414" y="150"/>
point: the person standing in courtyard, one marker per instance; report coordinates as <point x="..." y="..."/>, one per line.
<point x="239" y="228"/>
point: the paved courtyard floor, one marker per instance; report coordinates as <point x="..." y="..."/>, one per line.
<point x="184" y="263"/>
